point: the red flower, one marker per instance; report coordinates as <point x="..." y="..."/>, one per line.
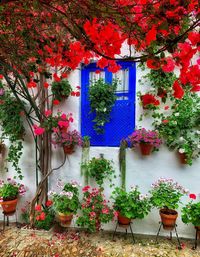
<point x="165" y="121"/>
<point x="1" y="76"/>
<point x="151" y="35"/>
<point x="166" y="107"/>
<point x="46" y="85"/>
<point x="148" y="99"/>
<point x="56" y="102"/>
<point x="193" y="196"/>
<point x="153" y="64"/>
<point x="73" y="93"/>
<point x="86" y="188"/>
<point x="178" y="90"/>
<point x="38" y="207"/>
<point x="168" y="64"/>
<point x="38" y="217"/>
<point x="64" y="75"/>
<point x="78" y="93"/>
<point x="42" y="216"/>
<point x="56" y="78"/>
<point x="49" y="203"/>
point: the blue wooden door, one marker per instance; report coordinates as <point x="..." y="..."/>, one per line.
<point x="122" y="120"/>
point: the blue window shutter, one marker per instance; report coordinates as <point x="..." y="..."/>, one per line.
<point x="122" y="118"/>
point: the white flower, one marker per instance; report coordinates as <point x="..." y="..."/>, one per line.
<point x="198" y="132"/>
<point x="174" y="122"/>
<point x="181" y="150"/>
<point x="105" y="109"/>
<point x="198" y="146"/>
<point x="176" y="114"/>
<point x="181" y="138"/>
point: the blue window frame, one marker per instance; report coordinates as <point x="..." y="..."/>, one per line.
<point x="122" y="121"/>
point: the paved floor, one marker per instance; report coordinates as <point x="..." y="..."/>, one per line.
<point x="28" y="243"/>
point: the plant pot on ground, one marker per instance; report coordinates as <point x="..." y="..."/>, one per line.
<point x="130" y="205"/>
<point x="166" y="195"/>
<point x="66" y="203"/>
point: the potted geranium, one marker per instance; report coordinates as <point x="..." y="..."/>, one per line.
<point x="100" y="169"/>
<point x="61" y="89"/>
<point x="66" y="202"/>
<point x="166" y="195"/>
<point x="68" y="140"/>
<point x="9" y="192"/>
<point x="95" y="209"/>
<point x="191" y="212"/>
<point x="147" y="140"/>
<point x="130" y="205"/>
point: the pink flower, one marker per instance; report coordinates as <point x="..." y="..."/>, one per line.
<point x="56" y="102"/>
<point x="92" y="214"/>
<point x="105" y="211"/>
<point x="166" y="107"/>
<point x="63" y="116"/>
<point x="48" y="113"/>
<point x="63" y="124"/>
<point x="165" y="121"/>
<point x="38" y="130"/>
<point x="42" y="216"/>
<point x="116" y="213"/>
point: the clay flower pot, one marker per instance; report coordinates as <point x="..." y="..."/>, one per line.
<point x="68" y="149"/>
<point x="168" y="218"/>
<point x="182" y="158"/>
<point x="145" y="148"/>
<point x="64" y="218"/>
<point x="122" y="220"/>
<point x="9" y="206"/>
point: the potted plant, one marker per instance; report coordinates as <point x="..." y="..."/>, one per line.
<point x="66" y="202"/>
<point x="61" y="89"/>
<point x="191" y="213"/>
<point x="9" y="192"/>
<point x="95" y="210"/>
<point x="147" y="140"/>
<point x="130" y="205"/>
<point x="68" y="140"/>
<point x="100" y="169"/>
<point x="166" y="195"/>
<point x="102" y="98"/>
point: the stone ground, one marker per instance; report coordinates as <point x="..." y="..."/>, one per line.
<point x="30" y="243"/>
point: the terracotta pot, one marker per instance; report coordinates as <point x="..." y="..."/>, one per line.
<point x="68" y="149"/>
<point x="145" y="148"/>
<point x="182" y="158"/>
<point x="64" y="218"/>
<point x="9" y="206"/>
<point x="168" y="218"/>
<point x="122" y="220"/>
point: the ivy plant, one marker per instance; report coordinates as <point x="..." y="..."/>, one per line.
<point x="61" y="89"/>
<point x="102" y="98"/>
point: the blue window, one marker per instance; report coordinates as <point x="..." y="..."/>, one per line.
<point x="122" y="120"/>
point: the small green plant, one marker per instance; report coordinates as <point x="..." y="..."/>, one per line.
<point x="67" y="201"/>
<point x="95" y="210"/>
<point x="10" y="190"/>
<point x="100" y="169"/>
<point x="166" y="193"/>
<point x="61" y="89"/>
<point x="132" y="204"/>
<point x="191" y="212"/>
<point x="102" y="98"/>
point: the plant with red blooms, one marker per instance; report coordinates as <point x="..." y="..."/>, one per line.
<point x="95" y="210"/>
<point x="44" y="215"/>
<point x="146" y="137"/>
<point x="149" y="101"/>
<point x="178" y="134"/>
<point x="191" y="212"/>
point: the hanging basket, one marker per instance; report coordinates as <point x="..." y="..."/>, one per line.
<point x="168" y="218"/>
<point x="9" y="206"/>
<point x="68" y="149"/>
<point x="145" y="148"/>
<point x="182" y="158"/>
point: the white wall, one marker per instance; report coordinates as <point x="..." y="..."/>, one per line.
<point x="141" y="171"/>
